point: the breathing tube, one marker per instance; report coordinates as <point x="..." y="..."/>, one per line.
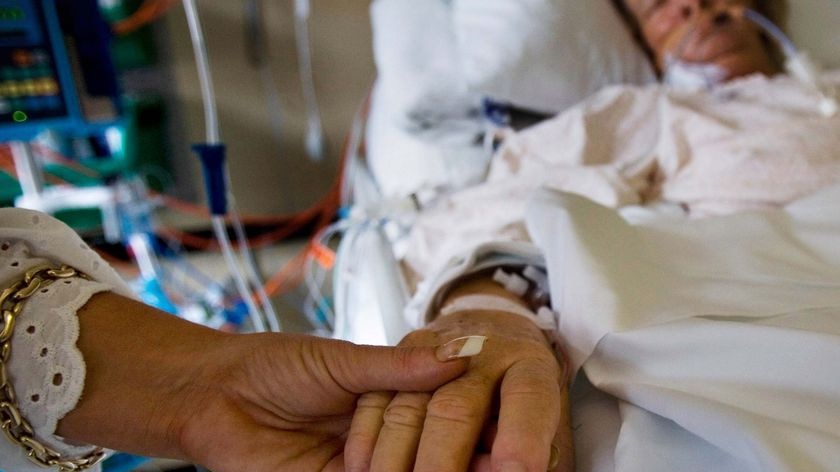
<point x="797" y="63"/>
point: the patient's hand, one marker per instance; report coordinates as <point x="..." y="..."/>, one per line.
<point x="510" y="407"/>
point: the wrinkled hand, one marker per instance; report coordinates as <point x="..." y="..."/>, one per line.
<point x="285" y="403"/>
<point x="505" y="413"/>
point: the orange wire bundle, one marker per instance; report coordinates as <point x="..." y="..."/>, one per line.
<point x="148" y="12"/>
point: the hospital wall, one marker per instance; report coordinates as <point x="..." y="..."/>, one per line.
<point x="268" y="176"/>
<point x="813" y="23"/>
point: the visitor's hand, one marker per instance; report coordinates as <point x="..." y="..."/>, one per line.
<point x="158" y="386"/>
<point x="508" y="412"/>
<point x="287" y="402"/>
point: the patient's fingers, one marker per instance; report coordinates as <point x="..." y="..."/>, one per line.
<point x="564" y="440"/>
<point x="396" y="447"/>
<point x="454" y="419"/>
<point x="364" y="430"/>
<point x="530" y="413"/>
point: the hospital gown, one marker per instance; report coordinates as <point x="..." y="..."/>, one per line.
<point x="756" y="142"/>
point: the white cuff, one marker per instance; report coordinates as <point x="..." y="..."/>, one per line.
<point x="422" y="307"/>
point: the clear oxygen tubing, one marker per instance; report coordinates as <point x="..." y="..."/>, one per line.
<point x="788" y="48"/>
<point x="314" y="129"/>
<point x="797" y="63"/>
<point x="213" y="138"/>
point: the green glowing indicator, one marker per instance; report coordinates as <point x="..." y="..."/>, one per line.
<point x="19" y="116"/>
<point x="11" y="13"/>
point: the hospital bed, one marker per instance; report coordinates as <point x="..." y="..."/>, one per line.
<point x="451" y="74"/>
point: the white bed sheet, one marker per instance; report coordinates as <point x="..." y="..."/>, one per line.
<point x="714" y="344"/>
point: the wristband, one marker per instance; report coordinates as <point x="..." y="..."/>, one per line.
<point x="544" y="318"/>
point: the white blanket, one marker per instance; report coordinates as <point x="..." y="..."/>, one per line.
<point x="717" y="340"/>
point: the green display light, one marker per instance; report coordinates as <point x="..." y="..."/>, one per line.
<point x="19" y="116"/>
<point x="11" y="13"/>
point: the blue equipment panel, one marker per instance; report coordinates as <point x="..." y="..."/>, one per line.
<point x="37" y="86"/>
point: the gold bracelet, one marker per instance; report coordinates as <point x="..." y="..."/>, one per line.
<point x="13" y="424"/>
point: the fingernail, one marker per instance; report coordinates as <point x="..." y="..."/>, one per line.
<point x="513" y="467"/>
<point x="467" y="346"/>
<point x="554" y="458"/>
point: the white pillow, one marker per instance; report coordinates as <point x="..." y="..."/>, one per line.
<point x="423" y="123"/>
<point x="545" y="55"/>
<point x="416" y="61"/>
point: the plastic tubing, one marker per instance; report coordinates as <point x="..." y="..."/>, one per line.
<point x="314" y="129"/>
<point x="213" y="139"/>
<point x="208" y="96"/>
<point x="770" y="28"/>
<point x="251" y="271"/>
<point x="798" y="63"/>
<point x="220" y="229"/>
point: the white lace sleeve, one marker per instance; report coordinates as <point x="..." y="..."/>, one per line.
<point x="46" y="368"/>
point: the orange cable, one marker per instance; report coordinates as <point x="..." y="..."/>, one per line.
<point x="149" y="11"/>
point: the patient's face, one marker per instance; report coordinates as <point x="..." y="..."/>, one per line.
<point x="703" y="31"/>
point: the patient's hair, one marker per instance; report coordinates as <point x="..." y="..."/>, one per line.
<point x="775" y="10"/>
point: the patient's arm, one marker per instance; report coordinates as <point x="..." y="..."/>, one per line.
<point x="510" y="406"/>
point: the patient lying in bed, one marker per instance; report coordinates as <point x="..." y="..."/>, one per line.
<point x="699" y="344"/>
<point x="754" y="142"/>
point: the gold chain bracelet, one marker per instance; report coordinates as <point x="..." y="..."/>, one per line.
<point x="13" y="424"/>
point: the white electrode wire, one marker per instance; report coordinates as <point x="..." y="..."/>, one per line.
<point x="314" y="129"/>
<point x="213" y="138"/>
<point x="220" y="228"/>
<point x="251" y="271"/>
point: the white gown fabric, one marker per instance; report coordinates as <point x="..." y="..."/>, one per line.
<point x="46" y="368"/>
<point x="755" y="142"/>
<point x="705" y="345"/>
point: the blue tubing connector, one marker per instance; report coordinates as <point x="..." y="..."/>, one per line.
<point x="123" y="463"/>
<point x="213" y="166"/>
